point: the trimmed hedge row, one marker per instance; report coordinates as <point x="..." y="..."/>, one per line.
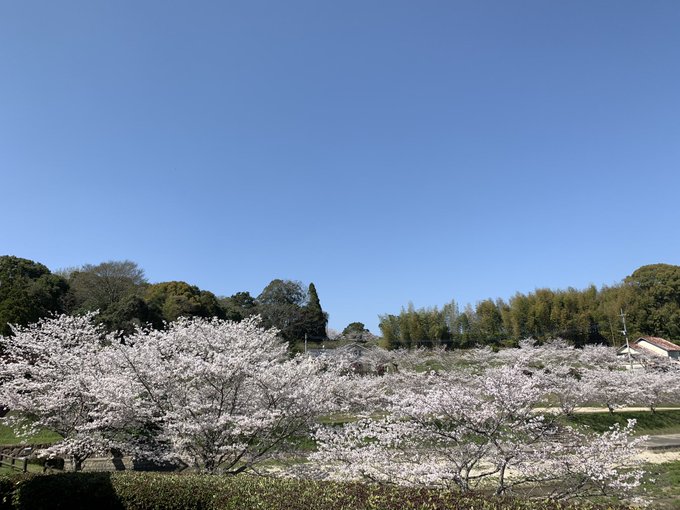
<point x="158" y="491"/>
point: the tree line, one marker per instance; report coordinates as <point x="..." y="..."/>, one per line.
<point x="650" y="298"/>
<point x="125" y="299"/>
<point x="119" y="290"/>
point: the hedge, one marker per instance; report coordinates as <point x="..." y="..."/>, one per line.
<point x="160" y="491"/>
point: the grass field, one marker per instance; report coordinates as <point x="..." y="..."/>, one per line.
<point x="662" y="486"/>
<point x="661" y="422"/>
<point x="7" y="437"/>
<point x="32" y="468"/>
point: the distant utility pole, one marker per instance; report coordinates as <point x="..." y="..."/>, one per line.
<point x="625" y="335"/>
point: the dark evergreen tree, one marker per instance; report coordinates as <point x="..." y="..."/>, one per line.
<point x="315" y="319"/>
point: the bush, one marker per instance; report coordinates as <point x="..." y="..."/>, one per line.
<point x="158" y="491"/>
<point x="6" y="487"/>
<point x="67" y="491"/>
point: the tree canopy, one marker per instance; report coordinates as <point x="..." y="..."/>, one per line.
<point x="650" y="297"/>
<point x="28" y="291"/>
<point x="96" y="287"/>
<point x="124" y="299"/>
<point x="295" y="311"/>
<point x="179" y="299"/>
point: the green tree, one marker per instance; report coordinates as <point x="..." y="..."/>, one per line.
<point x="389" y="328"/>
<point x="96" y="287"/>
<point x="126" y="315"/>
<point x="238" y="306"/>
<point x="654" y="305"/>
<point x="488" y="326"/>
<point x="354" y="328"/>
<point x="28" y="291"/>
<point x="612" y="300"/>
<point x="171" y="300"/>
<point x="314" y="318"/>
<point x="357" y="332"/>
<point x="463" y="328"/>
<point x="416" y="331"/>
<point x="281" y="305"/>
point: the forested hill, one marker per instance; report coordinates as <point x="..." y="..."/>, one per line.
<point x="124" y="299"/>
<point x="650" y="298"/>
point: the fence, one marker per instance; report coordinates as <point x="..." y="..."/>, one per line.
<point x="18" y="463"/>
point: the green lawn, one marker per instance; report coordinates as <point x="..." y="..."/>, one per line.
<point x="32" y="468"/>
<point x="661" y="422"/>
<point x="662" y="485"/>
<point x="7" y="437"/>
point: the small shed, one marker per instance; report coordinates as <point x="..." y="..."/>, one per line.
<point x="656" y="346"/>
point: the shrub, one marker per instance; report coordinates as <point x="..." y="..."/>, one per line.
<point x="158" y="491"/>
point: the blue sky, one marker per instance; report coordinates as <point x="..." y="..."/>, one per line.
<point x="388" y="151"/>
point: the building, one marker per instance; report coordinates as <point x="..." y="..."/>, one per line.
<point x="652" y="345"/>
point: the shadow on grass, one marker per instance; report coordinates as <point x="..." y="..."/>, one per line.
<point x="66" y="491"/>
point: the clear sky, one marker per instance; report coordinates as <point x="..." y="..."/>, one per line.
<point x="388" y="151"/>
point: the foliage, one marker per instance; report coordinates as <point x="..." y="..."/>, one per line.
<point x="412" y="328"/>
<point x="295" y="311"/>
<point x="128" y="314"/>
<point x="356" y="332"/>
<point x="172" y="300"/>
<point x="96" y="287"/>
<point x="144" y="491"/>
<point x="315" y="320"/>
<point x="650" y="297"/>
<point x="28" y="291"/>
<point x="281" y="306"/>
<point x="655" y="299"/>
<point x="354" y="328"/>
<point x="238" y="306"/>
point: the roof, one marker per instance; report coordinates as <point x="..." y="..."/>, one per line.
<point x="623" y="348"/>
<point x="659" y="342"/>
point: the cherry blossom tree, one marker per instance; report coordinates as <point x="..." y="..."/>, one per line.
<point x="477" y="431"/>
<point x="652" y="388"/>
<point x="610" y="388"/>
<point x="52" y="379"/>
<point x="221" y="395"/>
<point x="215" y="394"/>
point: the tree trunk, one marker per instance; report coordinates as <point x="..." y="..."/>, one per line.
<point x="76" y="463"/>
<point x="501" y="480"/>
